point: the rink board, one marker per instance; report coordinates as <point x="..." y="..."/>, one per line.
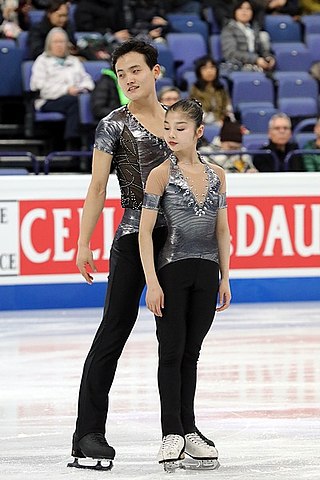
<point x="274" y="221"/>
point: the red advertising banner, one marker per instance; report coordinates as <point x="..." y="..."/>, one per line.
<point x="267" y="232"/>
<point x="49" y="231"/>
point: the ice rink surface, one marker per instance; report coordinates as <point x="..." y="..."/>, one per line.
<point x="258" y="394"/>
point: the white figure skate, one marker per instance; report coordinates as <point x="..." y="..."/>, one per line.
<point x="171" y="452"/>
<point x="202" y="451"/>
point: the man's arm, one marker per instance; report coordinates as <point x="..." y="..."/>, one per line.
<point x="92" y="209"/>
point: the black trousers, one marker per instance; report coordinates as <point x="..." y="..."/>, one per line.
<point x="125" y="285"/>
<point x="69" y="106"/>
<point x="190" y="294"/>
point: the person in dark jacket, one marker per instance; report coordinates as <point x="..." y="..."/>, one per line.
<point x="56" y="16"/>
<point x="107" y="95"/>
<point x="279" y="132"/>
<point x="102" y="16"/>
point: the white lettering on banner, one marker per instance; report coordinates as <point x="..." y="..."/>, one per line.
<point x="243" y="212"/>
<point x="8" y="262"/>
<point x="26" y="236"/>
<point x="262" y="236"/>
<point x="3" y="216"/>
<point x="9" y="243"/>
<point x="278" y="230"/>
<point x="299" y="233"/>
<point x="60" y="233"/>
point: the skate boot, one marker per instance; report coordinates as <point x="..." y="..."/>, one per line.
<point x="201" y="449"/>
<point x="171" y="452"/>
<point x="93" y="445"/>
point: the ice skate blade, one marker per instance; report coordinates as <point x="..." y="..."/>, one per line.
<point x="172" y="465"/>
<point x="98" y="466"/>
<point x="196" y="464"/>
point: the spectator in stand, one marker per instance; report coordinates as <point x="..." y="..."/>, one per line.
<point x="230" y="138"/>
<point x="242" y="42"/>
<point x="169" y="95"/>
<point x="107" y="95"/>
<point x="56" y="16"/>
<point x="148" y="20"/>
<point x="312" y="160"/>
<point x="222" y="10"/>
<point x="60" y="78"/>
<point x="310" y="6"/>
<point x="280" y="131"/>
<point x="210" y="92"/>
<point x="103" y="16"/>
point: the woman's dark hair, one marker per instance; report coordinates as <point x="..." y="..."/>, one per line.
<point x="239" y="4"/>
<point x="149" y="52"/>
<point x="198" y="64"/>
<point x="190" y="107"/>
<point x="54" y="5"/>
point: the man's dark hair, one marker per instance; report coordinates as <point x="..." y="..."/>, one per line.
<point x="150" y="53"/>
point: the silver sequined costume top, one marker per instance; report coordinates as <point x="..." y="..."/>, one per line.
<point x="136" y="151"/>
<point x="191" y="225"/>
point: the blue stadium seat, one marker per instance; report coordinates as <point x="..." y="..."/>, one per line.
<point x="311" y="23"/>
<point x="186" y="48"/>
<point x="7" y="43"/>
<point x="188" y="25"/>
<point x="255" y="140"/>
<point x="165" y="59"/>
<point x="294" y="85"/>
<point x="303" y="138"/>
<point x="10" y="68"/>
<point x="23" y="44"/>
<point x="163" y="82"/>
<point x="306" y="124"/>
<point x="313" y="44"/>
<point x="254" y="90"/>
<point x="256" y="120"/>
<point x="211" y="131"/>
<point x="282" y="28"/>
<point x="94" y="67"/>
<point x="298" y="107"/>
<point x="293" y="60"/>
<point x="35" y="16"/>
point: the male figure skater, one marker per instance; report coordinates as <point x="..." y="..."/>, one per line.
<point x="131" y="137"/>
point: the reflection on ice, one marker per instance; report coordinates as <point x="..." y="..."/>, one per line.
<point x="258" y="394"/>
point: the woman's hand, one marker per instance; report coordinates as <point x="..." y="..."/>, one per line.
<point x="155" y="299"/>
<point x="224" y="296"/>
<point x="85" y="259"/>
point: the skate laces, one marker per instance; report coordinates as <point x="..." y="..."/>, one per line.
<point x="99" y="439"/>
<point x="170" y="441"/>
<point x="197" y="440"/>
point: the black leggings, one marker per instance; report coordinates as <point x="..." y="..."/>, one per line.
<point x="125" y="285"/>
<point x="190" y="294"/>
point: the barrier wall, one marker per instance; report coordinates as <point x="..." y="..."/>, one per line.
<point x="274" y="221"/>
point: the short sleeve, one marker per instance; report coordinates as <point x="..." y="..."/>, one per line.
<point x="107" y="135"/>
<point x="158" y="179"/>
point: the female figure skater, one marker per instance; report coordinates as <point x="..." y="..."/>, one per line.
<point x="182" y="288"/>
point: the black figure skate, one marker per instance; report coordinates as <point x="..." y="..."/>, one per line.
<point x="92" y="445"/>
<point x="202" y="451"/>
<point x="171" y="452"/>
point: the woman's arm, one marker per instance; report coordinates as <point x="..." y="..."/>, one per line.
<point x="154" y="295"/>
<point x="223" y="238"/>
<point x="93" y="206"/>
